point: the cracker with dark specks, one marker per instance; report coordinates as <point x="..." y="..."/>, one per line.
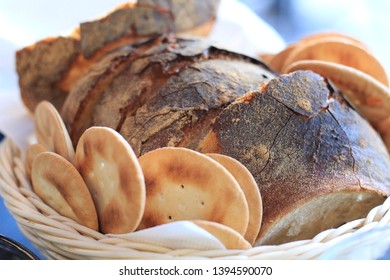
<point x="182" y="184"/>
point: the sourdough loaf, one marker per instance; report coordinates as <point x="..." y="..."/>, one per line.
<point x="165" y="91"/>
<point x="317" y="162"/>
<point x="49" y="69"/>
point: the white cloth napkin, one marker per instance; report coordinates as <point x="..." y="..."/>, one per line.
<point x="175" y="235"/>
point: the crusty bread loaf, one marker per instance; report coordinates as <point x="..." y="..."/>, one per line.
<point x="317" y="162"/>
<point x="41" y="66"/>
<point x="165" y="91"/>
<point x="50" y="68"/>
<point x="311" y="154"/>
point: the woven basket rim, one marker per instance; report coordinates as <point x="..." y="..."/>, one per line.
<point x="58" y="237"/>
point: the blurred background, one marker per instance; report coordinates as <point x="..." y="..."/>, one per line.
<point x="23" y="22"/>
<point x="368" y="21"/>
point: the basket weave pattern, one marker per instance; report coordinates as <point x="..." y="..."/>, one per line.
<point x="58" y="237"/>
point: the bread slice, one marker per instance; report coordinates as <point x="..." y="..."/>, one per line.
<point x="318" y="164"/>
<point x="50" y="68"/>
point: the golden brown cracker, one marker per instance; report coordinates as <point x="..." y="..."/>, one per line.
<point x="230" y="238"/>
<point x="182" y="184"/>
<point x="58" y="183"/>
<point x="114" y="177"/>
<point x="251" y="191"/>
<point x="32" y="151"/>
<point x="51" y="132"/>
<point x="339" y="50"/>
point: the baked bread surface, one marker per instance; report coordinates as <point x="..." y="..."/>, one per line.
<point x="317" y="162"/>
<point x="165" y="91"/>
<point x="50" y="68"/>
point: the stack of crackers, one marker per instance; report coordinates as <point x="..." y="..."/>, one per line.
<point x="102" y="185"/>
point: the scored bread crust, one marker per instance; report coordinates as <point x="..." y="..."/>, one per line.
<point x="147" y="18"/>
<point x="48" y="69"/>
<point x="303" y="142"/>
<point x="181" y="84"/>
<point x="41" y="66"/>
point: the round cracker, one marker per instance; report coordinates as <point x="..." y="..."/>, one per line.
<point x="331" y="35"/>
<point x="277" y="62"/>
<point x="230" y="238"/>
<point x="32" y="151"/>
<point x="280" y="60"/>
<point x="338" y="50"/>
<point x="182" y="184"/>
<point x="51" y="132"/>
<point x="251" y="191"/>
<point x="114" y="177"/>
<point x="58" y="183"/>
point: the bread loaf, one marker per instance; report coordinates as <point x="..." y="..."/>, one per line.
<point x="317" y="162"/>
<point x="165" y="91"/>
<point x="50" y="68"/>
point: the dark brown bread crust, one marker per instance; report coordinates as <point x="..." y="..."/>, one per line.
<point x="49" y="69"/>
<point x="146" y="18"/>
<point x="301" y="140"/>
<point x="165" y="91"/>
<point x="41" y="66"/>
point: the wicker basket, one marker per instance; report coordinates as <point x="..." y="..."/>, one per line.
<point x="58" y="237"/>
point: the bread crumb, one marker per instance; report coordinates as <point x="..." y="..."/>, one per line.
<point x="256" y="152"/>
<point x="246" y="98"/>
<point x="362" y="143"/>
<point x="304" y="104"/>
